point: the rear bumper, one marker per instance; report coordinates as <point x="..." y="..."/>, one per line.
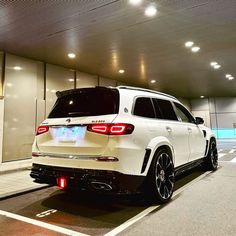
<point x="88" y="179"/>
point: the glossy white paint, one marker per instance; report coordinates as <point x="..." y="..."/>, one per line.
<point x="185" y="140"/>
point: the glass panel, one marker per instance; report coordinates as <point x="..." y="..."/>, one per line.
<point x="166" y="109"/>
<point x="20" y="106"/>
<point x="57" y="79"/>
<point x="86" y="102"/>
<point x="84" y="80"/>
<point x="184" y="115"/>
<point x="143" y="107"/>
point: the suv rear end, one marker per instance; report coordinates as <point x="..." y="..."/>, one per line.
<point x="88" y="142"/>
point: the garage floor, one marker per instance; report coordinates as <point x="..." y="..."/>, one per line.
<point x="204" y="203"/>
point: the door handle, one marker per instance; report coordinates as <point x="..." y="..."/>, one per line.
<point x="168" y="129"/>
<point x="189" y="130"/>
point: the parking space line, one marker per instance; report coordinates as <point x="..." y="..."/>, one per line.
<point x="41" y="224"/>
<point x="145" y="212"/>
<point x="232" y="151"/>
<point x="233" y="160"/>
<point x="220" y="155"/>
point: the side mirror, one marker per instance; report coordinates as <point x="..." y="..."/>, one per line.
<point x="199" y="121"/>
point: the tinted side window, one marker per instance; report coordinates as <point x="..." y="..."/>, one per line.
<point x="183" y="113"/>
<point x="143" y="107"/>
<point x="166" y="109"/>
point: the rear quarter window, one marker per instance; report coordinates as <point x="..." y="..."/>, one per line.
<point x="143" y="107"/>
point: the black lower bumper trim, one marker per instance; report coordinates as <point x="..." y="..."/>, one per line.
<point x="84" y="178"/>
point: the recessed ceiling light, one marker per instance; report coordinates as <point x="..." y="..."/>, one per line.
<point x="135" y="2"/>
<point x="121" y="71"/>
<point x="217" y="66"/>
<point x="17" y="68"/>
<point x="153" y="81"/>
<point x="71" y="80"/>
<point x="231" y="78"/>
<point x="71" y="55"/>
<point x="202" y="96"/>
<point x="195" y="49"/>
<point x="189" y="44"/>
<point x="213" y="63"/>
<point x="150" y="11"/>
<point x="228" y="76"/>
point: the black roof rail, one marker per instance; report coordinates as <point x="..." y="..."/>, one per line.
<point x="146" y="90"/>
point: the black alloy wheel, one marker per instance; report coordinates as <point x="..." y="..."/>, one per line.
<point x="161" y="177"/>
<point x="212" y="156"/>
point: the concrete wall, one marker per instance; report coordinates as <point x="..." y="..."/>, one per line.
<point x="221" y="113"/>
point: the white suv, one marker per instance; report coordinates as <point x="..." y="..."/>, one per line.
<point x="120" y="140"/>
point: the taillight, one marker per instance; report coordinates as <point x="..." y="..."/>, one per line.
<point x="42" y="129"/>
<point x="62" y="182"/>
<point x="111" y="129"/>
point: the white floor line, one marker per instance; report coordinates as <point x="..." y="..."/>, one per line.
<point x="145" y="212"/>
<point x="233" y="160"/>
<point x="220" y="155"/>
<point x="232" y="151"/>
<point x="220" y="150"/>
<point x="41" y="224"/>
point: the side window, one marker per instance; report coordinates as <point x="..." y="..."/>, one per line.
<point x="143" y="107"/>
<point x="183" y="113"/>
<point x="166" y="109"/>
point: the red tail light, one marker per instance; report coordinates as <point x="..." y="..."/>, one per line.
<point x="111" y="129"/>
<point x="42" y="129"/>
<point x="62" y="182"/>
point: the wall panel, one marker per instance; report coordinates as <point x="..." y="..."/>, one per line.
<point x="20" y="106"/>
<point x="84" y="80"/>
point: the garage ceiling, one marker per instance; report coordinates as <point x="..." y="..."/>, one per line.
<point x="108" y="35"/>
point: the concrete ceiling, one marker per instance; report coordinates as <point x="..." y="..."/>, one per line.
<point x="108" y="35"/>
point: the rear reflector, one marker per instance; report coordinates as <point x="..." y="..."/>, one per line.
<point x="42" y="129"/>
<point x="111" y="129"/>
<point x="62" y="182"/>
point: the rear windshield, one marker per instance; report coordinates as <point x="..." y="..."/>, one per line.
<point x="86" y="102"/>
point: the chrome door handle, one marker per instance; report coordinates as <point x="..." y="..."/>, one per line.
<point x="168" y="129"/>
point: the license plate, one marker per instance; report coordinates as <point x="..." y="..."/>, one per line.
<point x="68" y="134"/>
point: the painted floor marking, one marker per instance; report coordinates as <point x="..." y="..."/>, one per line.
<point x="220" y="155"/>
<point x="233" y="160"/>
<point x="220" y="150"/>
<point x="41" y="224"/>
<point x="145" y="212"/>
<point x="232" y="151"/>
<point x="46" y="213"/>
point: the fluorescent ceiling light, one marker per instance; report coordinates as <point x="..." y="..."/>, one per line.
<point x="135" y="2"/>
<point x="17" y="68"/>
<point x="121" y="71"/>
<point x="153" y="81"/>
<point x="71" y="55"/>
<point x="228" y="76"/>
<point x="150" y="11"/>
<point x="231" y="78"/>
<point x="195" y="49"/>
<point x="189" y="44"/>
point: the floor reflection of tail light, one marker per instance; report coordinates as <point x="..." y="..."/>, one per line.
<point x="62" y="182"/>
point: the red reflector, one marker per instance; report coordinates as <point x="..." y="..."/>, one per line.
<point x="42" y="129"/>
<point x="111" y="129"/>
<point x="62" y="182"/>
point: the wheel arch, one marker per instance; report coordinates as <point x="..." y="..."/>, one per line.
<point x="155" y="145"/>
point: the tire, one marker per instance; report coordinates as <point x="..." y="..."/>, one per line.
<point x="211" y="162"/>
<point x="161" y="177"/>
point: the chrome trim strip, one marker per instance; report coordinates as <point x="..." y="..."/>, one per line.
<point x="79" y="157"/>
